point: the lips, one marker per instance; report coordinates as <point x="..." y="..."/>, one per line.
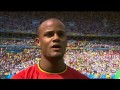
<point x="56" y="47"/>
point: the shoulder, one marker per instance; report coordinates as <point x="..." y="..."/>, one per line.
<point x="24" y="73"/>
<point x="77" y="74"/>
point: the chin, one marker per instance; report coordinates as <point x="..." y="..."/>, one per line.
<point x="58" y="56"/>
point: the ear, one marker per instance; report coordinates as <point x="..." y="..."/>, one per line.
<point x="37" y="41"/>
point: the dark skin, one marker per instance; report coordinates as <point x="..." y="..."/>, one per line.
<point x="52" y="41"/>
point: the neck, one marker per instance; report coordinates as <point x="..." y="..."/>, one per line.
<point x="53" y="66"/>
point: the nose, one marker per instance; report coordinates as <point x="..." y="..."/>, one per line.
<point x="56" y="38"/>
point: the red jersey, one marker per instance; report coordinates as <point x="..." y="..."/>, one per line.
<point x="35" y="72"/>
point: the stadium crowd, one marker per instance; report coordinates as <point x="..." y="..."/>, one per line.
<point x="80" y="55"/>
<point x="80" y="24"/>
<point x="96" y="59"/>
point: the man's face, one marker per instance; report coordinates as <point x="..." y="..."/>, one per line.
<point x="52" y="40"/>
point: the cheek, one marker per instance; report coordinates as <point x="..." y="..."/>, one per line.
<point x="44" y="44"/>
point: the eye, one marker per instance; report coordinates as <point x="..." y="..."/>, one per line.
<point x="61" y="34"/>
<point x="49" y="34"/>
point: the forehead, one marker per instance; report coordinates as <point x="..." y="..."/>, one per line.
<point x="51" y="25"/>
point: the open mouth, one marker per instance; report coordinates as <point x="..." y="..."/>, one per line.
<point x="56" y="47"/>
